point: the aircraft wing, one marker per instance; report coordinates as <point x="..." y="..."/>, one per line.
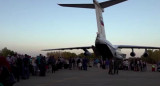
<point x="137" y="47"/>
<point x="110" y="3"/>
<point x="71" y="48"/>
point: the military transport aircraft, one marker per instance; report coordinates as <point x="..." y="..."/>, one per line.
<point x="102" y="46"/>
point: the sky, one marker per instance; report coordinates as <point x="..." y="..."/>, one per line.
<point x="28" y="26"/>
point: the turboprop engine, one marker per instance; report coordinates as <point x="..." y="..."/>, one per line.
<point x="145" y="54"/>
<point x="133" y="54"/>
<point x="96" y="53"/>
<point x="86" y="52"/>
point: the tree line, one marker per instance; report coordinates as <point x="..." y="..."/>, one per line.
<point x="68" y="55"/>
<point x="5" y="52"/>
<point x="153" y="56"/>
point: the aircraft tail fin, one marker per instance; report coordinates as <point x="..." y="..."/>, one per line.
<point x="99" y="9"/>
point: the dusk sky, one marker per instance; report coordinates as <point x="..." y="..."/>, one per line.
<point x="28" y="26"/>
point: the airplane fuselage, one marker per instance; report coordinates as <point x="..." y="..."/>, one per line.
<point x="103" y="46"/>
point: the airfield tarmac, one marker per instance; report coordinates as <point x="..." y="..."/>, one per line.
<point x="93" y="77"/>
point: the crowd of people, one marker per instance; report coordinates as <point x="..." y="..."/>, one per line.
<point x="111" y="64"/>
<point x="134" y="65"/>
<point x="16" y="67"/>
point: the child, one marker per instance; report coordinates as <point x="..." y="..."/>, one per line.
<point x="153" y="68"/>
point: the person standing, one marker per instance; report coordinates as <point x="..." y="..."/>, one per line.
<point x="111" y="66"/>
<point x="42" y="66"/>
<point x="53" y="63"/>
<point x="84" y="63"/>
<point x="5" y="72"/>
<point x="116" y="66"/>
<point x="80" y="65"/>
<point x="153" y="68"/>
<point x="70" y="63"/>
<point x="26" y="62"/>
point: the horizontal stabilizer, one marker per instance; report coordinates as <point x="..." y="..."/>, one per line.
<point x="110" y="3"/>
<point x="92" y="6"/>
<point x="79" y="5"/>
